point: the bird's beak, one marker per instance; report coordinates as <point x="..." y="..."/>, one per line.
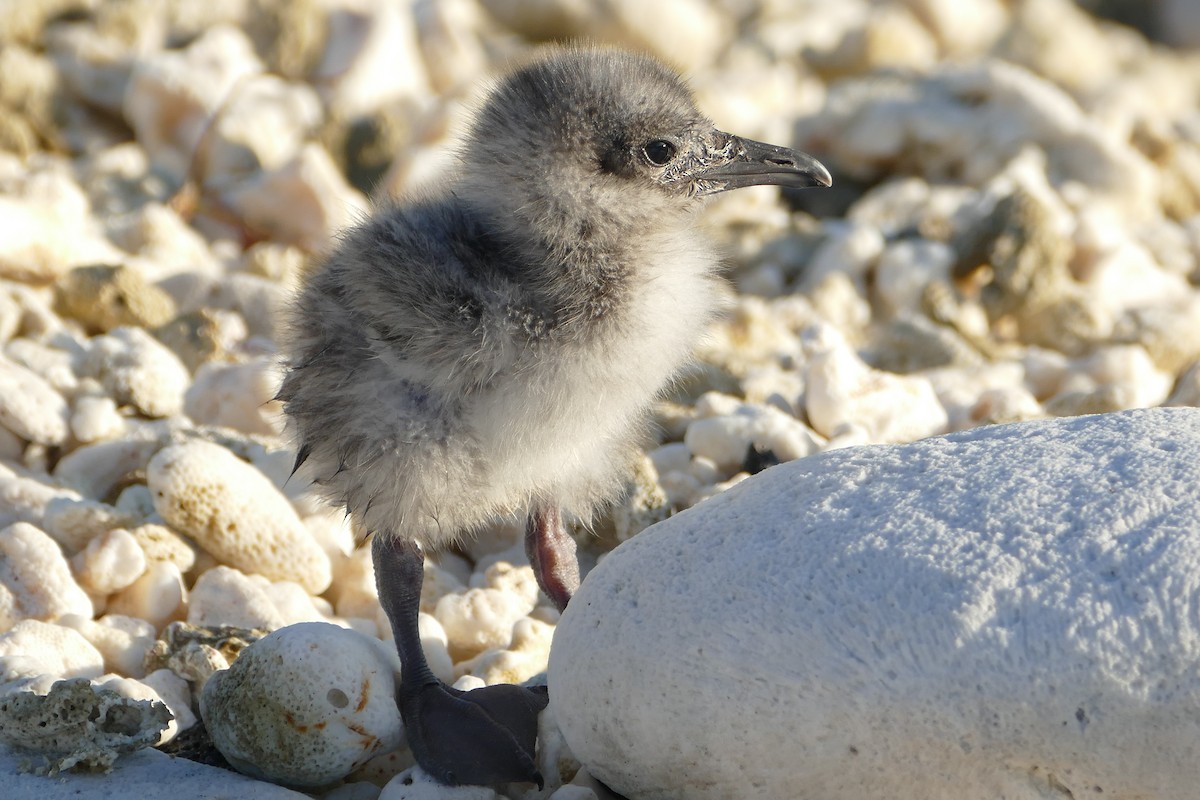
<point x="751" y="163"/>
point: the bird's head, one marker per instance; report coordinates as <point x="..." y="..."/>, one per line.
<point x="591" y="139"/>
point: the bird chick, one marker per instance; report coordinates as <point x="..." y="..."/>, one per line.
<point x="493" y="346"/>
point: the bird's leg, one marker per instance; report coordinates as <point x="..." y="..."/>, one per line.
<point x="483" y="736"/>
<point x="551" y="551"/>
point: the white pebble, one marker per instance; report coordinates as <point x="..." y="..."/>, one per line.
<point x="109" y="563"/>
<point x="96" y="469"/>
<point x="482" y="618"/>
<point x="681" y="488"/>
<point x="1129" y="369"/>
<point x="173" y="94"/>
<point x="435" y="645"/>
<point x="136" y="689"/>
<point x="415" y="784"/>
<point x="29" y="406"/>
<point x="156" y="597"/>
<point x="24" y="498"/>
<point x="850" y="248"/>
<point x="235" y="512"/>
<point x="35" y="210"/>
<point x="237" y="396"/>
<point x="123" y="641"/>
<point x="843" y="390"/>
<point x="35" y="579"/>
<point x="303" y="202"/>
<point x="524" y="658"/>
<point x="670" y="457"/>
<point x="175" y="692"/>
<point x="1009" y="404"/>
<point x="96" y="419"/>
<point x="34" y="648"/>
<point x="305" y="705"/>
<point x="262" y="124"/>
<point x="296" y="605"/>
<point x="137" y="370"/>
<point x="726" y="440"/>
<point x="226" y="596"/>
<point x="74" y="523"/>
<point x="160" y="543"/>
<point x="905" y="269"/>
<point x="353" y="589"/>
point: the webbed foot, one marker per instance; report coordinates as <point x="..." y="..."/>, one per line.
<point x="484" y="736"/>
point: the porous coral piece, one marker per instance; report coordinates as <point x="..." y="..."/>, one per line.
<point x="483" y="617"/>
<point x="235" y="512"/>
<point x="78" y="724"/>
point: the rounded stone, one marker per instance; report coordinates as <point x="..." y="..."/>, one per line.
<point x="993" y="613"/>
<point x="305" y="705"/>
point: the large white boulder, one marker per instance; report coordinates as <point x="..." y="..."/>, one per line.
<point x="1005" y="612"/>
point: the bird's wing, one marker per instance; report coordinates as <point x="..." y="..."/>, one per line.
<point x="433" y="299"/>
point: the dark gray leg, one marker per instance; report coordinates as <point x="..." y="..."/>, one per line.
<point x="481" y="737"/>
<point x="551" y="551"/>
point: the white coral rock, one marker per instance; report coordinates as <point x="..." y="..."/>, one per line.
<point x="136" y="689"/>
<point x="843" y="391"/>
<point x="524" y="658"/>
<point x="29" y="406"/>
<point x="156" y="596"/>
<point x="1004" y="612"/>
<point x="726" y="439"/>
<point x="416" y="784"/>
<point x="482" y="618"/>
<point x="305" y="705"/>
<point x="173" y="95"/>
<point x="302" y="202"/>
<point x="35" y="579"/>
<point x="123" y="641"/>
<point x="237" y="396"/>
<point x="75" y="523"/>
<point x="33" y="648"/>
<point x="96" y="419"/>
<point x="226" y="596"/>
<point x="137" y="370"/>
<point x="110" y="562"/>
<point x="235" y="512"/>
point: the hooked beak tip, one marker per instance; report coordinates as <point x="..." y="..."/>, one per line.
<point x="820" y="174"/>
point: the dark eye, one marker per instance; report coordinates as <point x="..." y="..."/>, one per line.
<point x="659" y="152"/>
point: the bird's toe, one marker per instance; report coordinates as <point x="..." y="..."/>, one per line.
<point x="485" y="736"/>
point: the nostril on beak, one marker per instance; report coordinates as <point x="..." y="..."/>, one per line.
<point x="782" y="162"/>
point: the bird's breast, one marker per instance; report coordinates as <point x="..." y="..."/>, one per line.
<point x="564" y="426"/>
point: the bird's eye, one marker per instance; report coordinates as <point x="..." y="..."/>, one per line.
<point x="659" y="152"/>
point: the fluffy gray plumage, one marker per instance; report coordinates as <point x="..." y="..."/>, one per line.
<point x="496" y="343"/>
<point x="493" y="347"/>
